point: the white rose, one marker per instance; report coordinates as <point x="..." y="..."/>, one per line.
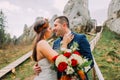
<point x="78" y="58"/>
<point x="85" y="60"/>
<point x="69" y="70"/>
<point x="60" y="59"/>
<point x="68" y="50"/>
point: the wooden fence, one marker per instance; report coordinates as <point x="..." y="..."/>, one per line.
<point x="92" y="45"/>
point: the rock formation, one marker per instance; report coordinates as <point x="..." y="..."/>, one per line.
<point x="113" y="21"/>
<point x="78" y="14"/>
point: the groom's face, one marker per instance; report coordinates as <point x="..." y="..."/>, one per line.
<point x="58" y="28"/>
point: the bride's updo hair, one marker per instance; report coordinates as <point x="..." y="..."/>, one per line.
<point x="40" y="27"/>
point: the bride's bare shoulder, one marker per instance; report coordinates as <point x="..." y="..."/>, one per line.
<point x="42" y="42"/>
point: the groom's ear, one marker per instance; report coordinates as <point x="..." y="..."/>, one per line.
<point x="64" y="25"/>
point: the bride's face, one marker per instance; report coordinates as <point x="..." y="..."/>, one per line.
<point x="48" y="33"/>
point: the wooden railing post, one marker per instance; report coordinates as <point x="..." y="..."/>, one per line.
<point x="93" y="74"/>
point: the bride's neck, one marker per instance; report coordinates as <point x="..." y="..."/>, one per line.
<point x="44" y="38"/>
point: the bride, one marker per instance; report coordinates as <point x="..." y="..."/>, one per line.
<point x="43" y="52"/>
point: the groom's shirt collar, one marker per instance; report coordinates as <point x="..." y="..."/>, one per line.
<point x="66" y="34"/>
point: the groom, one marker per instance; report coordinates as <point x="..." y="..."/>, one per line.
<point x="61" y="27"/>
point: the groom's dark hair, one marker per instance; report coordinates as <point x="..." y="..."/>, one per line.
<point x="63" y="19"/>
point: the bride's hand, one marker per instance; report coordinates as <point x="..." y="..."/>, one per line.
<point x="36" y="69"/>
<point x="67" y="39"/>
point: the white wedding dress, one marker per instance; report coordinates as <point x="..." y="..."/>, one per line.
<point x="47" y="73"/>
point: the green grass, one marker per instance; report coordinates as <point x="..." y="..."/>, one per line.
<point x="11" y="53"/>
<point x="21" y="72"/>
<point x="107" y="55"/>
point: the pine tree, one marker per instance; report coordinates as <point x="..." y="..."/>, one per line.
<point x="2" y="28"/>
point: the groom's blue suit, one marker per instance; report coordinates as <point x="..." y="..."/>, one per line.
<point x="84" y="47"/>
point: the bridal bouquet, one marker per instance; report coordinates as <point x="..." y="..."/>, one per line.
<point x="71" y="63"/>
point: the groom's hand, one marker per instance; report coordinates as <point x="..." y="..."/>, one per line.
<point x="36" y="69"/>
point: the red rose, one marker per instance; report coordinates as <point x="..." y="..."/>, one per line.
<point x="54" y="58"/>
<point x="74" y="62"/>
<point x="67" y="54"/>
<point x="62" y="66"/>
<point x="76" y="52"/>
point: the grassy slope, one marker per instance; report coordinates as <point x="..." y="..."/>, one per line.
<point x="107" y="55"/>
<point x="10" y="54"/>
